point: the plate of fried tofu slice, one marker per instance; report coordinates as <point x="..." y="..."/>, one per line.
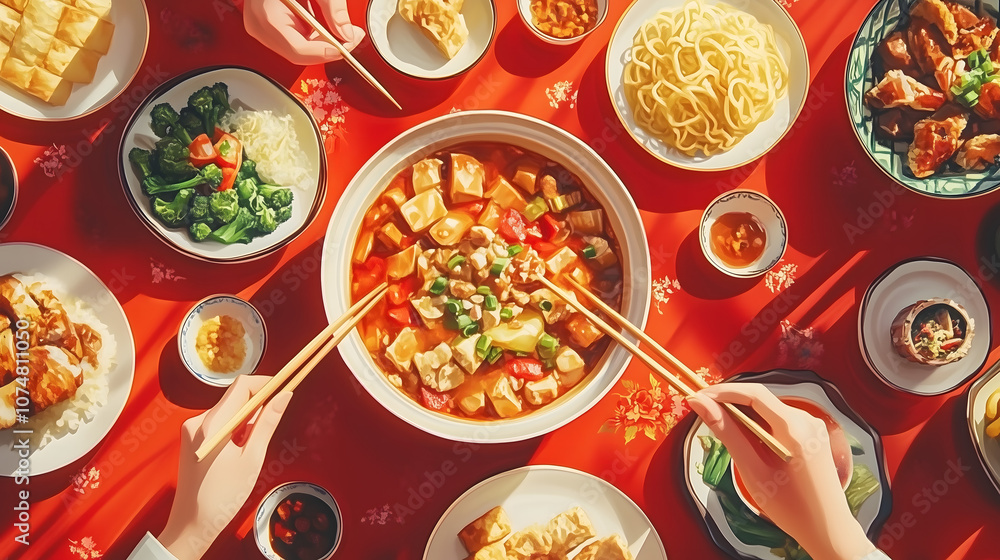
<point x="544" y="512"/>
<point x="64" y="59"/>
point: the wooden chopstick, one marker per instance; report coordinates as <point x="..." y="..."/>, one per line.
<point x="754" y="427"/>
<point x="325" y="34"/>
<point x="332" y="335"/>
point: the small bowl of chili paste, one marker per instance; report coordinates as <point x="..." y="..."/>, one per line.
<point x="298" y="521"/>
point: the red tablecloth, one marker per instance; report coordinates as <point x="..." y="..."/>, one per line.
<point x="847" y="223"/>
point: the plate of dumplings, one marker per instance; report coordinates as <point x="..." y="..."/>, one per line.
<point x="64" y="59"/>
<point x="544" y="511"/>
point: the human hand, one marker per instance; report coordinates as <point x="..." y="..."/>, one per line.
<point x="272" y="23"/>
<point x="803" y="496"/>
<point x="210" y="492"/>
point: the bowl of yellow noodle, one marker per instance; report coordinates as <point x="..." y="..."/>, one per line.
<point x="707" y="85"/>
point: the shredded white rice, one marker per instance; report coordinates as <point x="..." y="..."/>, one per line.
<point x="270" y="141"/>
<point x="68" y="416"/>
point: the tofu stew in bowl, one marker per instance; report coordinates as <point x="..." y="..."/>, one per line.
<point x="460" y="216"/>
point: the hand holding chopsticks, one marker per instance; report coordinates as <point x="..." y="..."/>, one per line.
<point x="324" y="342"/>
<point x="649" y="362"/>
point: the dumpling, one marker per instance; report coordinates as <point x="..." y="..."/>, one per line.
<point x="609" y="548"/>
<point x="494" y="551"/>
<point x="528" y="544"/>
<point x="569" y="530"/>
<point x="486" y="530"/>
<point x="440" y="21"/>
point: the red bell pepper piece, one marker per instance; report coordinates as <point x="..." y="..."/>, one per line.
<point x="202" y="151"/>
<point x="528" y="369"/>
<point x="228" y="178"/>
<point x="401" y="315"/>
<point x="513" y="226"/>
<point x="230" y="152"/>
<point x="550" y="227"/>
<point x="545" y="249"/>
<point x="433" y="400"/>
<point x="401" y="292"/>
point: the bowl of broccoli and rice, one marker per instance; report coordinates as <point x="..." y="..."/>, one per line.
<point x="224" y="165"/>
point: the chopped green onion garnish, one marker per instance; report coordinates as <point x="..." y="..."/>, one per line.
<point x="506" y="313"/>
<point x="484" y="290"/>
<point x="499" y="264"/>
<point x="545" y="305"/>
<point x="224" y="148"/>
<point x="490" y="303"/>
<point x="451" y="322"/>
<point x="987" y="66"/>
<point x="463" y="321"/>
<point x="514" y="250"/>
<point x="483" y="346"/>
<point x="590" y="252"/>
<point x="495" y="354"/>
<point x="454" y="306"/>
<point x="548" y="341"/>
<point x="457" y="260"/>
<point x="438" y="286"/>
<point x="470" y="329"/>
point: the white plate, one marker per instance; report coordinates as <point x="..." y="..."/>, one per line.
<point x="765" y="136"/>
<point x="531" y="134"/>
<point x="536" y="494"/>
<point x="214" y="306"/>
<point x="902" y="286"/>
<point x="115" y="71"/>
<point x="404" y="46"/>
<point x="28" y="258"/>
<point x="248" y="90"/>
<point x="809" y="386"/>
<point x="769" y="215"/>
<point x="987" y="448"/>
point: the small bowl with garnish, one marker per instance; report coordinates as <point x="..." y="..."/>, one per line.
<point x="743" y="233"/>
<point x="221" y="338"/>
<point x="552" y="23"/>
<point x="933" y="332"/>
<point x="298" y="521"/>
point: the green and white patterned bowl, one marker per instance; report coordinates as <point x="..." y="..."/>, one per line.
<point x="882" y="21"/>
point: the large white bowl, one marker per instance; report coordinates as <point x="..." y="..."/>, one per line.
<point x="531" y="134"/>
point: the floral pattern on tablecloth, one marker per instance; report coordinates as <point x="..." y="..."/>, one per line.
<point x="562" y="92"/>
<point x="781" y="278"/>
<point x="799" y="348"/>
<point x="53" y="160"/>
<point x="85" y="549"/>
<point x="160" y="272"/>
<point x="382" y="515"/>
<point x="845" y="175"/>
<point x="651" y="411"/>
<point x="663" y="288"/>
<point x="86" y="479"/>
<point x="322" y="97"/>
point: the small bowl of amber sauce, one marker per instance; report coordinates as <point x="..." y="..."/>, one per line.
<point x="743" y="233"/>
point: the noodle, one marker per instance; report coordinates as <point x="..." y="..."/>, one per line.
<point x="703" y="77"/>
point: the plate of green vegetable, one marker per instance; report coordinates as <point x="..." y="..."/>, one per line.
<point x="224" y="165"/>
<point x="734" y="527"/>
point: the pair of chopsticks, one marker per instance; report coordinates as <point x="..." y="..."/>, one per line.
<point x="314" y="352"/>
<point x="325" y="34"/>
<point x="652" y="364"/>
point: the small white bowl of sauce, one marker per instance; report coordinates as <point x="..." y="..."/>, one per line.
<point x="222" y="338"/>
<point x="743" y="233"/>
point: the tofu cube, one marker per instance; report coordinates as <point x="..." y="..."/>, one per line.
<point x="490" y="217"/>
<point x="472" y="403"/>
<point x="436" y="369"/>
<point x="581" y="331"/>
<point x="543" y="391"/>
<point x="402" y="350"/>
<point x="495" y="551"/>
<point x="390" y="235"/>
<point x="10" y="20"/>
<point x="43" y="15"/>
<point x="506" y="195"/>
<point x="99" y="8"/>
<point x="489" y="528"/>
<point x="403" y="263"/>
<point x="526" y="177"/>
<point x="561" y="260"/>
<point x="30" y="46"/>
<point x="16" y="5"/>
<point x="501" y="393"/>
<point x="569" y="530"/>
<point x="48" y="87"/>
<point x="427" y="309"/>
<point x="423" y="210"/>
<point x="16" y="72"/>
<point x="465" y="353"/>
<point x="72" y="63"/>
<point x="467" y="178"/>
<point x="450" y="229"/>
<point x="426" y="175"/>
<point x="85" y="30"/>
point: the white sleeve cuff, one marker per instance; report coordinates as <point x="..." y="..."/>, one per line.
<point x="150" y="549"/>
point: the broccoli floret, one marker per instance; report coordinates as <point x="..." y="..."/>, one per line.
<point x="276" y="197"/>
<point x="200" y="231"/>
<point x="209" y="175"/>
<point x="172" y="160"/>
<point x="284" y="214"/>
<point x="247" y="191"/>
<point x="200" y="210"/>
<point x="173" y="213"/>
<point x="166" y="122"/>
<point x="142" y="160"/>
<point x="248" y="170"/>
<point x="203" y="103"/>
<point x="267" y="221"/>
<point x="223" y="206"/>
<point x="192" y="122"/>
<point x="240" y="230"/>
<point x="220" y="91"/>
